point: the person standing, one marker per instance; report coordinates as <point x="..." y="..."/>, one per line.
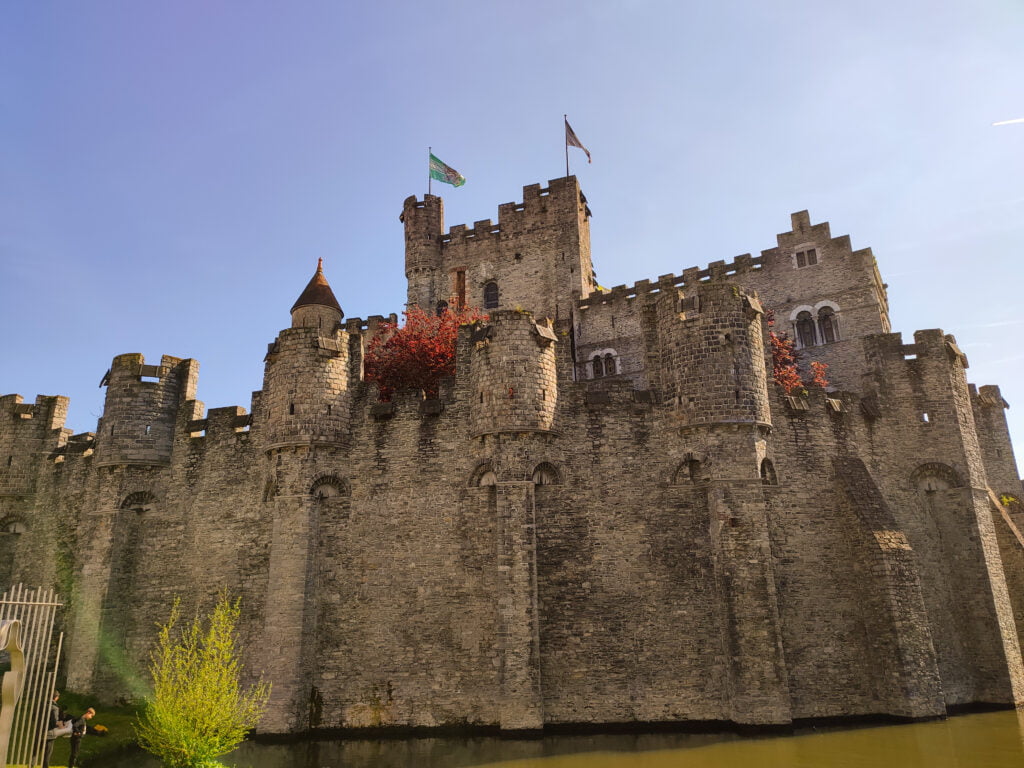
<point x="78" y="729"/>
<point x="53" y="724"/>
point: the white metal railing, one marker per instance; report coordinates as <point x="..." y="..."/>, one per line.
<point x="36" y="609"/>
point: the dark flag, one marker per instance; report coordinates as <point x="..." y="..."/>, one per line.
<point x="572" y="141"/>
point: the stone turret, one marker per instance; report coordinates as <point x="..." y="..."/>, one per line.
<point x="25" y="432"/>
<point x="512" y="374"/>
<point x="424" y="225"/>
<point x="306" y="380"/>
<point x="141" y="408"/>
<point x="713" y="355"/>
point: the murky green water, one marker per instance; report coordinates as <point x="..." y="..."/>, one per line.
<point x="991" y="740"/>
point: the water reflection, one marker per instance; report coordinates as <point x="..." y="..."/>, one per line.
<point x="992" y="740"/>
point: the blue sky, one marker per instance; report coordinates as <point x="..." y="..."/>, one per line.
<point x="172" y="171"/>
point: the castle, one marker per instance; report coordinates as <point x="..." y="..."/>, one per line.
<point x="611" y="514"/>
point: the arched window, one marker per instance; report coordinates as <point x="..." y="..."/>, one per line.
<point x="491" y="295"/>
<point x="598" y="367"/>
<point x="768" y="476"/>
<point x="140" y="501"/>
<point x="609" y="365"/>
<point x="483" y="476"/>
<point x="693" y="470"/>
<point x="827" y="325"/>
<point x="805" y="329"/>
<point x="328" y="487"/>
<point x="12" y="525"/>
<point x="545" y="474"/>
<point x="935" y="477"/>
<point x="442" y="307"/>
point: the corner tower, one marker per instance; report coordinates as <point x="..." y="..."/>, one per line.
<point x="305" y="406"/>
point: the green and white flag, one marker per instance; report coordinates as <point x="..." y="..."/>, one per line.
<point x="445" y="173"/>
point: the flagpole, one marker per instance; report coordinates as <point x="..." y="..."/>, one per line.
<point x="565" y="119"/>
<point x="430" y="151"/>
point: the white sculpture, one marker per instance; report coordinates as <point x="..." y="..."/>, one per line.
<point x="13" y="682"/>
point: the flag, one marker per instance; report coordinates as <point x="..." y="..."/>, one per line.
<point x="445" y="173"/>
<point x="572" y="141"/>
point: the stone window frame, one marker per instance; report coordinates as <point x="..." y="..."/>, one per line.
<point x="768" y="474"/>
<point x="138" y="501"/>
<point x="938" y="471"/>
<point x="483" y="475"/>
<point x="548" y="469"/>
<point x="491" y="302"/>
<point x="604" y="356"/>
<point x="805" y="249"/>
<point x="328" y="480"/>
<point x="814" y="312"/>
<point x="12" y="525"/>
<point x="800" y="324"/>
<point x="837" y="324"/>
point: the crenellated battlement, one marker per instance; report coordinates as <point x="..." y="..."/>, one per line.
<point x="691" y="278"/>
<point x="371" y="324"/>
<point x="931" y="344"/>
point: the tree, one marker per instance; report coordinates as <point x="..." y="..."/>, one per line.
<point x="785" y="363"/>
<point x="198" y="710"/>
<point x="420" y="353"/>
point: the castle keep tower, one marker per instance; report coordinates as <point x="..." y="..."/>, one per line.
<point x="537" y="257"/>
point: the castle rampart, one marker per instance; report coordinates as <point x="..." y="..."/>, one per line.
<point x="610" y="514"/>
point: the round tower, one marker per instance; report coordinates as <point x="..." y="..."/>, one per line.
<point x="512" y="374"/>
<point x="716" y="357"/>
<point x="424" y="226"/>
<point x="141" y="407"/>
<point x="306" y="380"/>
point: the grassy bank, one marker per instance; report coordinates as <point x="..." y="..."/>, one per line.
<point x="117" y="721"/>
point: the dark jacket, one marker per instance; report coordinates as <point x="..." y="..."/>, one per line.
<point x="79" y="727"/>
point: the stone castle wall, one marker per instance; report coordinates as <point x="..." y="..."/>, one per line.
<point x="673" y="540"/>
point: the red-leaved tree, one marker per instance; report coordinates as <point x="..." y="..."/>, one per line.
<point x="418" y="354"/>
<point x="785" y="363"/>
<point x="819" y="377"/>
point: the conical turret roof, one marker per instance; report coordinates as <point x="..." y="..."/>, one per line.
<point x="318" y="291"/>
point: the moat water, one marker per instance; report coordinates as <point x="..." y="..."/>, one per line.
<point x="989" y="740"/>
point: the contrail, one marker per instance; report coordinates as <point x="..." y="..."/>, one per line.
<point x="1010" y="122"/>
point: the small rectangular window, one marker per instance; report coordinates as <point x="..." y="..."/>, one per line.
<point x="806" y="258"/>
<point x="460" y="287"/>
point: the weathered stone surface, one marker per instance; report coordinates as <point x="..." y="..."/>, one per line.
<point x="609" y="515"/>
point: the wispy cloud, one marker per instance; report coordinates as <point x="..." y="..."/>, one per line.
<point x="1002" y="360"/>
<point x="996" y="324"/>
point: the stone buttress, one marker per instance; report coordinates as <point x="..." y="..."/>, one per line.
<point x="510" y="368"/>
<point x="304" y="410"/>
<point x="712" y="371"/>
